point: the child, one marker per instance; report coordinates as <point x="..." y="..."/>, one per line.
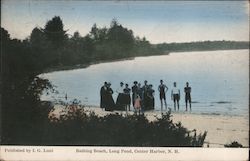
<point x="137" y="104"/>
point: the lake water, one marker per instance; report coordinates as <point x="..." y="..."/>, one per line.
<point x="219" y="79"/>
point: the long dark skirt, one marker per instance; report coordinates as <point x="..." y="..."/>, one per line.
<point x="110" y="104"/>
<point x="148" y="103"/>
<point x="127" y="99"/>
<point x="103" y="103"/>
<point x="151" y="103"/>
<point x="120" y="102"/>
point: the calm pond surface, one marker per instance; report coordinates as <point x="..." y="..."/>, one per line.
<point x="219" y="79"/>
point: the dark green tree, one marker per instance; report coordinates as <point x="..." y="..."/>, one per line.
<point x="121" y="40"/>
<point x="20" y="92"/>
<point x="41" y="48"/>
<point x="57" y="37"/>
<point x="54" y="31"/>
<point x="37" y="37"/>
<point x="98" y="34"/>
<point x="122" y="36"/>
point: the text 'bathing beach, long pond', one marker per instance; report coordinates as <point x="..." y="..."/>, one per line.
<point x="219" y="80"/>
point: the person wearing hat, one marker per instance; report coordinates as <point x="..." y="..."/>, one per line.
<point x="110" y="101"/>
<point x="120" y="105"/>
<point x="145" y="101"/>
<point x="126" y="91"/>
<point x="103" y="95"/>
<point x="140" y="93"/>
<point x="150" y="96"/>
<point x="134" y="92"/>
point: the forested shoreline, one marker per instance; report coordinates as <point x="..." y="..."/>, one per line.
<point x="23" y="115"/>
<point x="165" y="49"/>
<point x="203" y="46"/>
<point x="57" y="50"/>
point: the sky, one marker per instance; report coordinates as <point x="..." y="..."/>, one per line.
<point x="158" y="21"/>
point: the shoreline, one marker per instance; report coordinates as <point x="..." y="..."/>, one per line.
<point x="221" y="129"/>
<point x="86" y="65"/>
<point x="181" y="111"/>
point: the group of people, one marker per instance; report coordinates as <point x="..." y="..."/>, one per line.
<point x="175" y="96"/>
<point x="142" y="96"/>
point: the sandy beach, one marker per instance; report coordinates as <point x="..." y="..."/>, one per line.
<point x="221" y="129"/>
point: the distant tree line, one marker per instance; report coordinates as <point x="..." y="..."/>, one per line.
<point x="203" y="46"/>
<point x="56" y="49"/>
<point x="23" y="115"/>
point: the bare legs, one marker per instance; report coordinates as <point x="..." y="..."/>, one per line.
<point x="165" y="102"/>
<point x="177" y="104"/>
<point x="189" y="105"/>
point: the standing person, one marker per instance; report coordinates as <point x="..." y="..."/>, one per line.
<point x="150" y="96"/>
<point x="137" y="104"/>
<point x="103" y="95"/>
<point x="175" y="96"/>
<point x="110" y="101"/>
<point x="162" y="88"/>
<point x="120" y="103"/>
<point x="187" y="91"/>
<point x="139" y="90"/>
<point x="134" y="92"/>
<point x="140" y="93"/>
<point x="144" y="96"/>
<point x="126" y="91"/>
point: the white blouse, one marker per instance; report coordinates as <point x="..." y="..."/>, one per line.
<point x="120" y="89"/>
<point x="175" y="90"/>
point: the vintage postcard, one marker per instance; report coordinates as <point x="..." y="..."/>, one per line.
<point x="124" y="80"/>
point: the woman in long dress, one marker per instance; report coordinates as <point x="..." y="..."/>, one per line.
<point x="127" y="97"/>
<point x="144" y="105"/>
<point x="120" y="103"/>
<point x="151" y="98"/>
<point x="110" y="101"/>
<point x="134" y="92"/>
<point x="103" y="96"/>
